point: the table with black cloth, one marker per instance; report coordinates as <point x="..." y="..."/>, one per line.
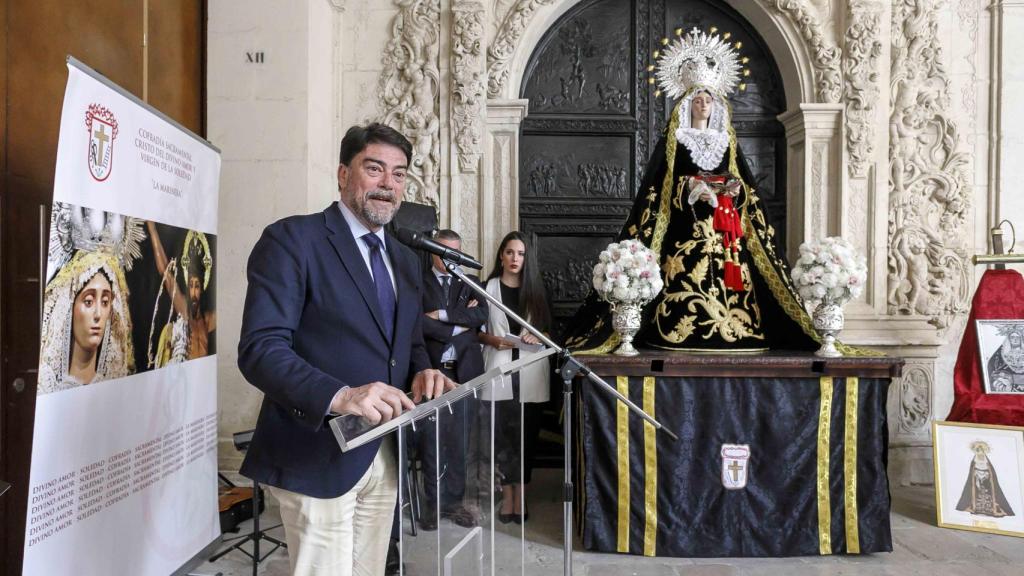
<point x="816" y="479"/>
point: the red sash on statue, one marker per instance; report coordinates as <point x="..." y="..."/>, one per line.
<point x="1000" y="296"/>
<point x="727" y="223"/>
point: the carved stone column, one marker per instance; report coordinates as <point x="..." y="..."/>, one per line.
<point x="466" y="121"/>
<point x="499" y="209"/>
<point x="815" y="172"/>
<point x="409" y="92"/>
<point x="864" y="219"/>
<point x="911" y="408"/>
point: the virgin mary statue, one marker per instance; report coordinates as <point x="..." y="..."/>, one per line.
<point x="726" y="288"/>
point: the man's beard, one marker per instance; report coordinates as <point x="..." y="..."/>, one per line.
<point x="381" y="216"/>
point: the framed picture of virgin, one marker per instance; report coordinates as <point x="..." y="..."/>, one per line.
<point x="979" y="477"/>
<point x="1001" y="347"/>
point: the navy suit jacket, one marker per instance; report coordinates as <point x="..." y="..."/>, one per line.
<point x="438" y="335"/>
<point x="312" y="325"/>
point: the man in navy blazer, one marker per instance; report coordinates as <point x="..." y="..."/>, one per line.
<point x="332" y="325"/>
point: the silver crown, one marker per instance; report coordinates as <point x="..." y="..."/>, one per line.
<point x="699" y="59"/>
<point x="74" y="228"/>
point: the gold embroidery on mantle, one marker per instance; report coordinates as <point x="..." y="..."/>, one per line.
<point x="705" y="296"/>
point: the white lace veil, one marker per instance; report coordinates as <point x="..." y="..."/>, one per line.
<point x="706" y="146"/>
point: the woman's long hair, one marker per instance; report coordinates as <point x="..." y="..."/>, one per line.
<point x="532" y="297"/>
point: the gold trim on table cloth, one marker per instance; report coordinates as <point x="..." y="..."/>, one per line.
<point x="850" y="467"/>
<point x="824" y="431"/>
<point x="650" y="473"/>
<point x="622" y="447"/>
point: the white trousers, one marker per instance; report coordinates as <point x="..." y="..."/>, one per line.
<point x="347" y="535"/>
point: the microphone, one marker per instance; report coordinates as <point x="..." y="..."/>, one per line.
<point x="416" y="240"/>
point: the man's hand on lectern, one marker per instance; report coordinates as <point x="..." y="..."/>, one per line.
<point x="376" y="402"/>
<point x="430" y="384"/>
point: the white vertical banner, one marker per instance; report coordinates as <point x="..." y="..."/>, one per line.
<point x="124" y="454"/>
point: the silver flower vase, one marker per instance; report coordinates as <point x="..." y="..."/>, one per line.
<point x="626" y="322"/>
<point x="828" y="321"/>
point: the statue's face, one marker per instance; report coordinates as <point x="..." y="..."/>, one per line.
<point x="1015" y="339"/>
<point x="700" y="107"/>
<point x="91" y="312"/>
<point x="195" y="294"/>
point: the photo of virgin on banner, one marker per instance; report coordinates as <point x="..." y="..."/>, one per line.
<point x="124" y="453"/>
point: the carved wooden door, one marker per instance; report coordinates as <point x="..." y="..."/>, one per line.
<point x="593" y="121"/>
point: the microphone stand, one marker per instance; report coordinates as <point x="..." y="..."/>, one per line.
<point x="568" y="368"/>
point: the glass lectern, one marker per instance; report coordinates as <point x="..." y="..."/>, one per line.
<point x="455" y="452"/>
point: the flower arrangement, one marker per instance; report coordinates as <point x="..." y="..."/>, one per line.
<point x="829" y="270"/>
<point x="627" y="272"/>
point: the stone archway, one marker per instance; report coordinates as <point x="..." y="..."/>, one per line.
<point x="808" y="63"/>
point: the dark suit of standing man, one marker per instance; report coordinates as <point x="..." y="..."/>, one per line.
<point x="453" y="317"/>
<point x="333" y="325"/>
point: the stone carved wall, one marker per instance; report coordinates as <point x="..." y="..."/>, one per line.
<point x="825" y="55"/>
<point x="503" y="174"/>
<point x="860" y="68"/>
<point x="930" y="197"/>
<point x="409" y="88"/>
<point x="967" y="14"/>
<point x="500" y="52"/>
<point x="468" y="90"/>
<point x="857" y="213"/>
<point x="819" y="189"/>
<point x="914" y="390"/>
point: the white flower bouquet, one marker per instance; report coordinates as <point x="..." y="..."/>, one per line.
<point x="829" y="270"/>
<point x="627" y="272"/>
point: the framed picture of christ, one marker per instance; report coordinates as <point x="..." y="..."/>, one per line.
<point x="979" y="477"/>
<point x="1001" y="348"/>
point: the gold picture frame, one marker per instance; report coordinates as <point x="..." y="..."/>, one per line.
<point x="979" y="477"/>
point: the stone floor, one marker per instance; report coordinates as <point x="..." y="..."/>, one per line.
<point x="920" y="548"/>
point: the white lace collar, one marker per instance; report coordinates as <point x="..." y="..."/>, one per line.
<point x="706" y="147"/>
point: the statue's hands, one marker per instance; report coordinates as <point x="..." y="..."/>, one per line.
<point x="699" y="190"/>
<point x="732" y="187"/>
